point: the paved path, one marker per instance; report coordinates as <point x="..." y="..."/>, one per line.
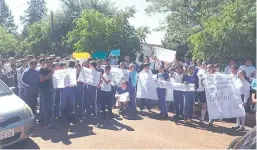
<point x="133" y="131"/>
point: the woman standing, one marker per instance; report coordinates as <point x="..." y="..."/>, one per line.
<point x="192" y="79"/>
<point x="244" y="87"/>
<point x="161" y="92"/>
<point x="132" y="83"/>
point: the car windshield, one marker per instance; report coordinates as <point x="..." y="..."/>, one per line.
<point x="4" y="90"/>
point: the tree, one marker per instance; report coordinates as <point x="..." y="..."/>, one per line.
<point x="142" y="32"/>
<point x="95" y="31"/>
<point x="184" y="18"/>
<point x="8" y="43"/>
<point x="36" y="11"/>
<point x="230" y="34"/>
<point x="6" y="18"/>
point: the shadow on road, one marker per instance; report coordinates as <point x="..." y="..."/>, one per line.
<point x="28" y="144"/>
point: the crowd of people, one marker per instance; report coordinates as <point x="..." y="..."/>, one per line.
<point x="32" y="78"/>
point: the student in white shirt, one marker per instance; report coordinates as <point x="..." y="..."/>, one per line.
<point x="234" y="70"/>
<point x="106" y="92"/>
<point x="244" y="87"/>
<point x="178" y="95"/>
<point x="248" y="68"/>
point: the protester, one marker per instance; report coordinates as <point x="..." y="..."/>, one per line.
<point x="234" y="70"/>
<point x="67" y="95"/>
<point x="132" y="83"/>
<point x="90" y="96"/>
<point x="189" y="78"/>
<point x="47" y="92"/>
<point x="114" y="60"/>
<point x="143" y="101"/>
<point x="227" y="69"/>
<point x="78" y="94"/>
<point x="178" y="97"/>
<point x="244" y="87"/>
<point x="20" y="71"/>
<point x="122" y="100"/>
<point x="30" y="80"/>
<point x="106" y="92"/>
<point x="248" y="68"/>
<point x="161" y="92"/>
<point x="155" y="64"/>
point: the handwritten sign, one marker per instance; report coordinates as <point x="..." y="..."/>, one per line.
<point x="146" y="87"/>
<point x="64" y="78"/>
<point x="119" y="75"/>
<point x="165" y="55"/>
<point x="89" y="76"/>
<point x="223" y="98"/>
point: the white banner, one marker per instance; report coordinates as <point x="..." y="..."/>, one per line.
<point x="175" y="86"/>
<point x="146" y="86"/>
<point x="64" y="78"/>
<point x="119" y="75"/>
<point x="89" y="76"/>
<point x="223" y="98"/>
<point x="164" y="54"/>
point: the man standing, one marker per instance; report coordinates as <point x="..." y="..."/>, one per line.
<point x="19" y="76"/>
<point x="248" y="68"/>
<point x="30" y="80"/>
<point x="47" y="92"/>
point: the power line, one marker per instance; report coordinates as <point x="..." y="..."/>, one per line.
<point x="19" y="6"/>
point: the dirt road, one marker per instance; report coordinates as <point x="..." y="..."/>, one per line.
<point x="133" y="131"/>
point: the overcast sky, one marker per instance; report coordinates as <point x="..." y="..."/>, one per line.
<point x="141" y="18"/>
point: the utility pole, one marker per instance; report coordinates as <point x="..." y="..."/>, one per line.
<point x="52" y="30"/>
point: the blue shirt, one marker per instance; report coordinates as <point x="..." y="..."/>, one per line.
<point x="30" y="78"/>
<point x="121" y="91"/>
<point x="163" y="76"/>
<point x="191" y="80"/>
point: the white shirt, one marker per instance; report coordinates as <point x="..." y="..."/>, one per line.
<point x="7" y="67"/>
<point x="249" y="70"/>
<point x="19" y="76"/>
<point x="107" y="87"/>
<point x="201" y="75"/>
<point x="244" y="88"/>
<point x="178" y="77"/>
<point x="227" y="70"/>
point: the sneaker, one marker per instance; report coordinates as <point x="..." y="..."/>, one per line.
<point x="241" y="128"/>
<point x="235" y="128"/>
<point x="210" y="124"/>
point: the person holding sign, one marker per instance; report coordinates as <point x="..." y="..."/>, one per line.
<point x="244" y="87"/>
<point x="78" y="93"/>
<point x="90" y="96"/>
<point x="106" y="92"/>
<point x="122" y="95"/>
<point x="178" y="97"/>
<point x="67" y="95"/>
<point x="190" y="78"/>
<point x="161" y="92"/>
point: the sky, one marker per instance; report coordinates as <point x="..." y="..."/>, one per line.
<point x="140" y="19"/>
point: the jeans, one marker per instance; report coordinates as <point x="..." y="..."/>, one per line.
<point x="47" y="96"/>
<point x="178" y="102"/>
<point x="189" y="104"/>
<point x="114" y="89"/>
<point x="161" y="92"/>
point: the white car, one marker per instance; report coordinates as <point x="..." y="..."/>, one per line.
<point x="17" y="122"/>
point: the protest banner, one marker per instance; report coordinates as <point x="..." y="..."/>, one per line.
<point x="146" y="87"/>
<point x="118" y="75"/>
<point x="64" y="78"/>
<point x="89" y="76"/>
<point x="223" y="98"/>
<point x="165" y="55"/>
